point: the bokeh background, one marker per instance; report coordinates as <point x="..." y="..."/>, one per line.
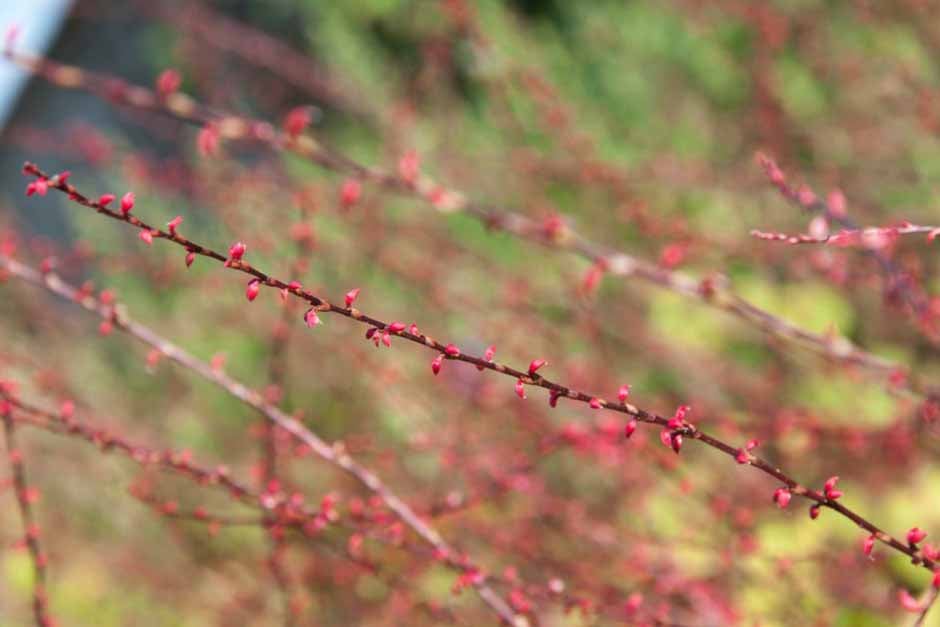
<point x="638" y="122"/>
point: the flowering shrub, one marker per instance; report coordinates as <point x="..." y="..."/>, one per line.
<point x="634" y="410"/>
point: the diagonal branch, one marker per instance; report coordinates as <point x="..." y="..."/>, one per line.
<point x="674" y="430"/>
<point x="553" y="233"/>
<point x="334" y="454"/>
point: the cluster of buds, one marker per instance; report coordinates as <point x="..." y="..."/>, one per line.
<point x="744" y="454"/>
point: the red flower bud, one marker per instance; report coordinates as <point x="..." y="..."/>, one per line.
<point x="436" y="364"/>
<point x="782" y="497"/>
<point x="742" y="457"/>
<point x="127" y="203"/>
<point x="408" y="167"/>
<point x="190" y="258"/>
<point x="172" y="224"/>
<point x="676" y="442"/>
<point x="396" y="327"/>
<point x="351" y="296"/>
<point x="387" y="339"/>
<point x="868" y="544"/>
<point x="553" y="398"/>
<point x="349" y="193"/>
<point x="814" y="511"/>
<point x="623" y="393"/>
<point x="106" y="199"/>
<point x="39" y="186"/>
<point x="596" y="403"/>
<point x="311" y="319"/>
<point x="936" y="580"/>
<point x="236" y="251"/>
<point x="535" y="365"/>
<point x="67" y="409"/>
<point x="909" y="603"/>
<point x="168" y="82"/>
<point x="297" y="120"/>
<point x="254" y="287"/>
<point x="915" y="535"/>
<point x="520" y="389"/>
<point x="146" y="236"/>
<point x="630" y="428"/>
<point x="678" y="418"/>
<point x="829" y="488"/>
<point x="452" y="351"/>
<point x="207" y="141"/>
<point x="413" y="329"/>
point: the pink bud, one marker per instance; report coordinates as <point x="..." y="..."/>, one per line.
<point x="436" y="364"/>
<point x="596" y="403"/>
<point x="452" y="351"/>
<point x="535" y="365"/>
<point x="311" y="319"/>
<point x="207" y="141"/>
<point x="837" y="203"/>
<point x="936" y="580"/>
<point x="908" y="602"/>
<point x="679" y="417"/>
<point x="915" y="535"/>
<point x="190" y="258"/>
<point x="868" y="544"/>
<point x="814" y="511"/>
<point x="168" y="82"/>
<point x="830" y="484"/>
<point x="146" y="236"/>
<point x="413" y="329"/>
<point x="67" y="409"/>
<point x="39" y="186"/>
<point x="742" y="457"/>
<point x="349" y="193"/>
<point x="489" y="353"/>
<point x="396" y="327"/>
<point x="127" y="203"/>
<point x="553" y="398"/>
<point x="106" y="199"/>
<point x="297" y="120"/>
<point x="408" y="167"/>
<point x="254" y="287"/>
<point x="676" y="442"/>
<point x="630" y="428"/>
<point x="172" y="224"/>
<point x="665" y="436"/>
<point x="623" y="393"/>
<point x="387" y="339"/>
<point x="351" y="296"/>
<point x="520" y="389"/>
<point x="237" y="250"/>
<point x="105" y="328"/>
<point x="782" y="497"/>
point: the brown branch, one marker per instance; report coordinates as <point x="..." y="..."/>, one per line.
<point x="28" y="519"/>
<point x="714" y="292"/>
<point x="334" y="454"/>
<point x="674" y="430"/>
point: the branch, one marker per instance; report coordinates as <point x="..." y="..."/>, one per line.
<point x="675" y="430"/>
<point x="411" y="182"/>
<point x="334" y="454"/>
<point x="24" y="500"/>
